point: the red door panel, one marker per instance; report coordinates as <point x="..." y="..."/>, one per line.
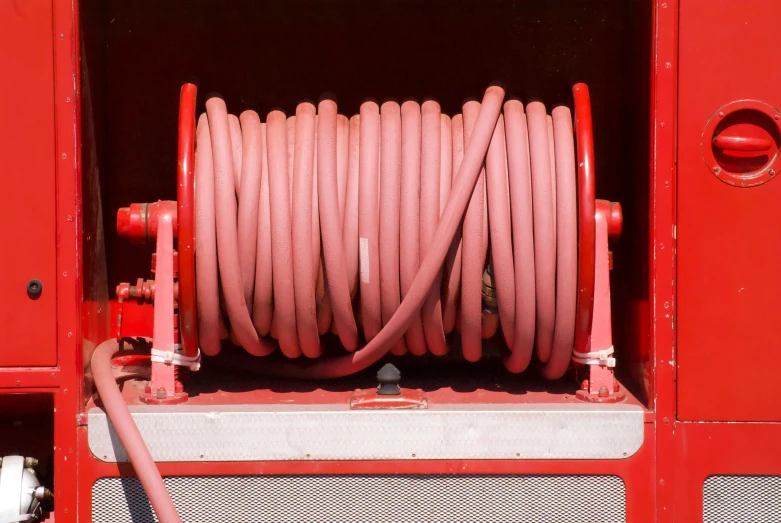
<point x="728" y="314"/>
<point x="27" y="184"/>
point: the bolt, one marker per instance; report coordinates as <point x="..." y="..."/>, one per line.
<point x="34" y="289"/>
<point x="161" y="394"/>
<point x="603" y="393"/>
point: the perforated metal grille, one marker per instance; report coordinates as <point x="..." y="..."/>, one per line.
<point x="734" y="499"/>
<point x="364" y="499"/>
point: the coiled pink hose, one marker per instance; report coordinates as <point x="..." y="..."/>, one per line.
<point x="382" y="227"/>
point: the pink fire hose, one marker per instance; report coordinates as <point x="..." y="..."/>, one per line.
<point x="392" y="227"/>
<point x="128" y="433"/>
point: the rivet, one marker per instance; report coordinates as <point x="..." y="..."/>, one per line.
<point x="668" y="65"/>
<point x="64" y="156"/>
<point x="661" y="124"/>
<point x="664" y="6"/>
<point x="772" y="172"/>
<point x="70" y="334"/>
<point x="717" y="169"/>
<point x="661" y="482"/>
<point x="18" y="383"/>
<point x="776" y="117"/>
<point x="666" y="421"/>
<point x="70" y="218"/>
<point x="67" y="100"/>
<point x="721" y="114"/>
<point x="62" y="36"/>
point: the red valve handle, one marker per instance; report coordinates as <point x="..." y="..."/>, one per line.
<point x="586" y="217"/>
<point x="185" y="194"/>
<point x="742" y="143"/>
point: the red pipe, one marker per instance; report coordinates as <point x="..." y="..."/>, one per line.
<point x="586" y="218"/>
<point x="188" y="321"/>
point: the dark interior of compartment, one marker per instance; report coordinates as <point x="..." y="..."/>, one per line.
<point x="273" y="54"/>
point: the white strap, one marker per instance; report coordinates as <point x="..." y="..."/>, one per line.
<point x="175" y="357"/>
<point x="600" y="357"/>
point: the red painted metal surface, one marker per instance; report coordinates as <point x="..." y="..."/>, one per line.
<point x="661" y="249"/>
<point x="728" y="237"/>
<point x="28" y="335"/>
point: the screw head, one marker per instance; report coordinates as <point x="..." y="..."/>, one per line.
<point x="34" y="289"/>
<point x="603" y="393"/>
<point x="161" y="394"/>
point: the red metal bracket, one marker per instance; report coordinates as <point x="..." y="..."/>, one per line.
<point x="601" y="386"/>
<point x="164" y="388"/>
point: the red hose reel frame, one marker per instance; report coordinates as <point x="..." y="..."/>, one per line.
<point x="186" y="230"/>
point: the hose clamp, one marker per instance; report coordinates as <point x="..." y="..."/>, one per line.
<point x="601" y="357"/>
<point x="175" y="357"/>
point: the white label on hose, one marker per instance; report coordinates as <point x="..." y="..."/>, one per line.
<point x="364" y="257"/>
